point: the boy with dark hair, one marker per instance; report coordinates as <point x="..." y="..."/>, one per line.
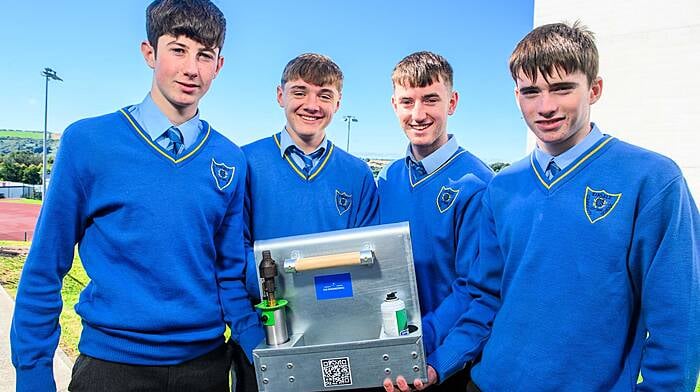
<point x="298" y="181"/>
<point x="589" y="269"/>
<point x="166" y="265"/>
<point x="437" y="188"/>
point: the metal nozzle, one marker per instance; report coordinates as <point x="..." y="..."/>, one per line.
<point x="268" y="272"/>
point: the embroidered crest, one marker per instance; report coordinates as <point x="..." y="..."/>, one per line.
<point x="599" y="204"/>
<point x="445" y="198"/>
<point x="223" y="175"/>
<point x="343" y="201"/>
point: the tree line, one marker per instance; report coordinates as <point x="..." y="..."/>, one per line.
<point x="22" y="166"/>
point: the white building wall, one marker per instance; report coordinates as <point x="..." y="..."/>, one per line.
<point x="650" y="65"/>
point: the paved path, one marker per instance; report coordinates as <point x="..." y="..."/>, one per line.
<point x="61" y="363"/>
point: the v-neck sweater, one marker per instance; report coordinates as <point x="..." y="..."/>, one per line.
<point x="442" y="209"/>
<point x="585" y="279"/>
<point x="339" y="193"/>
<point x="161" y="240"/>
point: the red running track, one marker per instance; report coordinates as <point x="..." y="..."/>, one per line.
<point x="17" y="220"/>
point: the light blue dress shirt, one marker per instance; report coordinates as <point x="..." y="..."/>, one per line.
<point x="286" y="142"/>
<point x="433" y="161"/>
<point x="154" y="122"/>
<point x="564" y="159"/>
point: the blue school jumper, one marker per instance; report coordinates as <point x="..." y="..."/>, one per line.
<point x="584" y="279"/>
<point x="443" y="213"/>
<point x="339" y="193"/>
<point x="161" y="239"/>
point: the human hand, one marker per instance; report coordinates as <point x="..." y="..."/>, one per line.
<point x="403" y="386"/>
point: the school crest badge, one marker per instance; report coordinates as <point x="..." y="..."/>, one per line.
<point x="599" y="204"/>
<point x="446" y="198"/>
<point x="223" y="175"/>
<point x="343" y="201"/>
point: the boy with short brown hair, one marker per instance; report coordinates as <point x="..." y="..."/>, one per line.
<point x="298" y="181"/>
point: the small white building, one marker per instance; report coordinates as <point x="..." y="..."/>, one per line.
<point x="14" y="190"/>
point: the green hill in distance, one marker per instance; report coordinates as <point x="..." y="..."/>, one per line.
<point x="28" y="141"/>
<point x="14" y="133"/>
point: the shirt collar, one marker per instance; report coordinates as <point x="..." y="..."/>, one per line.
<point x="569" y="156"/>
<point x="286" y="142"/>
<point x="433" y="161"/>
<point x="154" y="122"/>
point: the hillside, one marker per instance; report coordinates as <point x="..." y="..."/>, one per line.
<point x="377" y="165"/>
<point x="28" y="141"/>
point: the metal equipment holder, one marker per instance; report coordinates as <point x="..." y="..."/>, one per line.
<point x="335" y="283"/>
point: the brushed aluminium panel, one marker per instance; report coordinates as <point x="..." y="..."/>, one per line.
<point x="347" y="327"/>
<point x="353" y="318"/>
<point x="300" y="368"/>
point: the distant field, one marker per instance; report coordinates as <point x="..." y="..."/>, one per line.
<point x="21" y="134"/>
<point x="20" y="201"/>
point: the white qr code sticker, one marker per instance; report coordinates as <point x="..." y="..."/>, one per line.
<point x="336" y="371"/>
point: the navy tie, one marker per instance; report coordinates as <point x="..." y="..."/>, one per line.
<point x="552" y="170"/>
<point x="307" y="159"/>
<point x="175" y="140"/>
<point x="417" y="170"/>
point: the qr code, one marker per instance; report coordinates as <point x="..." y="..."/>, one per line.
<point x="336" y="371"/>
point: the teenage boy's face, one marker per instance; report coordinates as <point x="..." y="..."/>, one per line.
<point x="422" y="113"/>
<point x="309" y="108"/>
<point x="558" y="110"/>
<point x="183" y="71"/>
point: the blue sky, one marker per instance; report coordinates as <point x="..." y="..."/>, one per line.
<point x="94" y="47"/>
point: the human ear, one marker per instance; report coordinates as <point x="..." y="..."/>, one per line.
<point x="596" y="90"/>
<point x="149" y="54"/>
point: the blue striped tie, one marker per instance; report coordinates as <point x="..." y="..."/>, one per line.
<point x="552" y="170"/>
<point x="175" y="144"/>
<point x="417" y="170"/>
<point x="307" y="159"/>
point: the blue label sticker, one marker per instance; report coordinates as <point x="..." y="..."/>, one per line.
<point x="333" y="286"/>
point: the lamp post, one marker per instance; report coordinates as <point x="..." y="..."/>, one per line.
<point x="48" y="73"/>
<point x="349" y="119"/>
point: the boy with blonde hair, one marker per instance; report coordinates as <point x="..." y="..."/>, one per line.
<point x="437" y="188"/>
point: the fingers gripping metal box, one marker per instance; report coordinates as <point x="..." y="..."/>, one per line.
<point x="333" y="285"/>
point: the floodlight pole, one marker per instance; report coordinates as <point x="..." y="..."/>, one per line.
<point x="48" y="73"/>
<point x="349" y="119"/>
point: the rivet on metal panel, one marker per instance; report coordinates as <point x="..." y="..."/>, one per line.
<point x="290" y="263"/>
<point x="263" y="367"/>
<point x="385" y="357"/>
<point x="266" y="381"/>
<point x="416" y="368"/>
<point x="414" y="355"/>
<point x="387" y="371"/>
<point x="290" y="365"/>
<point x="291" y="378"/>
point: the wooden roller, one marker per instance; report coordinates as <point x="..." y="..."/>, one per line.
<point x="330" y="261"/>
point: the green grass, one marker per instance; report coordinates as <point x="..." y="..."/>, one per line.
<point x="10" y="270"/>
<point x="21" y="201"/>
<point x="21" y="134"/>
